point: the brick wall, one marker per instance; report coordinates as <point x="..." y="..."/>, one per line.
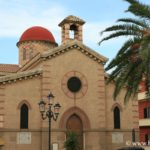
<point x="142" y="105"/>
<point x="143" y="132"/>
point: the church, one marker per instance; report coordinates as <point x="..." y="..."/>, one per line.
<point x="74" y="73"/>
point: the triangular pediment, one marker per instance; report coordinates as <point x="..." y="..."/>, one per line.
<point x="74" y="44"/>
<point x="62" y="49"/>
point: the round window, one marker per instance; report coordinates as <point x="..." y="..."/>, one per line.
<point x="74" y="84"/>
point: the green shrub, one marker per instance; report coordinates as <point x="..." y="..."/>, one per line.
<point x="71" y="142"/>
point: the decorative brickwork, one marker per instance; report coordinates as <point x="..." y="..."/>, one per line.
<point x="36" y="47"/>
<point x="74" y="24"/>
<point x="2" y="106"/>
<point x="135" y="114"/>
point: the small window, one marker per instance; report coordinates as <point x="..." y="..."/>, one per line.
<point x="116" y="118"/>
<point x="147" y="112"/>
<point x="24" y="117"/>
<point x="31" y="53"/>
<point x="24" y="54"/>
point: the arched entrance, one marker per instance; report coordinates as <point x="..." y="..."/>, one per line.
<point x="74" y="123"/>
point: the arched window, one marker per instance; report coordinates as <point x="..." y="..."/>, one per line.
<point x="116" y="118"/>
<point x="24" y="54"/>
<point x="24" y="116"/>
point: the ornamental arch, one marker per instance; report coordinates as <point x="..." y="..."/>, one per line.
<point x="74" y="111"/>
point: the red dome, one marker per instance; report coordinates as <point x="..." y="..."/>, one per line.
<point x="37" y="33"/>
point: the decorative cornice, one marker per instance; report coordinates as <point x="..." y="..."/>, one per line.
<point x="45" y="129"/>
<point x="20" y="76"/>
<point x="36" y="41"/>
<point x="5" y="73"/>
<point x="72" y="19"/>
<point x="77" y="45"/>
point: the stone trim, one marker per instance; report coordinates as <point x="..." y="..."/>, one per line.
<point x="37" y="41"/>
<point x="20" y="76"/>
<point x="80" y="47"/>
<point x="116" y="105"/>
<point x="72" y="19"/>
<point x="64" y="130"/>
<point x="75" y="44"/>
<point x="135" y="114"/>
<point x="24" y="102"/>
<point x="32" y="61"/>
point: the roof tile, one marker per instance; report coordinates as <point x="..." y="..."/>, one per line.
<point x="10" y="68"/>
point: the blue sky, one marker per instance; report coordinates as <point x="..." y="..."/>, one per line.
<point x="18" y="15"/>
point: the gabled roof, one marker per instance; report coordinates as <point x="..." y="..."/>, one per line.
<point x="20" y="76"/>
<point x="9" y="68"/>
<point x="80" y="47"/>
<point x="23" y="73"/>
<point x="74" y="44"/>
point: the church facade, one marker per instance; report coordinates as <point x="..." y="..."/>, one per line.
<point x="75" y="74"/>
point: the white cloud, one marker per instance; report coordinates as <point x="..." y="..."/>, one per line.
<point x="13" y="23"/>
<point x="16" y="17"/>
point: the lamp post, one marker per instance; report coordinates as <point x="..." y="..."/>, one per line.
<point x="51" y="111"/>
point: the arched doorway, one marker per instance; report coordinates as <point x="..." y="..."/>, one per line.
<point x="74" y="123"/>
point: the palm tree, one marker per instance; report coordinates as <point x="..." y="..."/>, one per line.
<point x="132" y="61"/>
<point x="71" y="142"/>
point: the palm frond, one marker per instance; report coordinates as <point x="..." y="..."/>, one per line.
<point x="128" y="44"/>
<point x="138" y="22"/>
<point x="139" y="9"/>
<point x="121" y="33"/>
<point x="127" y="78"/>
<point x="132" y="1"/>
<point x="133" y="58"/>
<point x="122" y="27"/>
<point x="123" y="53"/>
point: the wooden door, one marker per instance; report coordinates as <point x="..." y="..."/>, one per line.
<point x="74" y="124"/>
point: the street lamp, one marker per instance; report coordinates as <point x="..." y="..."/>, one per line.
<point x="50" y="112"/>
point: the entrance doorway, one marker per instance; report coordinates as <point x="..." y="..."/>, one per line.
<point x="74" y="123"/>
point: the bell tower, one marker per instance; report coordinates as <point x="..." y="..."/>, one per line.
<point x="71" y="28"/>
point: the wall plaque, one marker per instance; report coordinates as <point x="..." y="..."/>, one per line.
<point x="117" y="137"/>
<point x="24" y="138"/>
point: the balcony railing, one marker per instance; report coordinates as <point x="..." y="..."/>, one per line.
<point x="144" y="95"/>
